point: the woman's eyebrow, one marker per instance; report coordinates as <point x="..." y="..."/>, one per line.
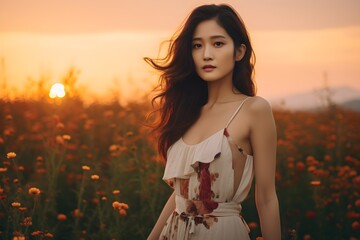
<point x="212" y="37"/>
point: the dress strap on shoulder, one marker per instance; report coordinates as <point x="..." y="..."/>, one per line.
<point x="236" y="111"/>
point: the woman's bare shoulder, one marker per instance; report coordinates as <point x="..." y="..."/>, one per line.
<point x="258" y="105"/>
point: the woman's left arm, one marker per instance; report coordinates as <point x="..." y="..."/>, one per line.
<point x="263" y="142"/>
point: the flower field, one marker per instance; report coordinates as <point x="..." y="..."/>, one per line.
<point x="75" y="171"/>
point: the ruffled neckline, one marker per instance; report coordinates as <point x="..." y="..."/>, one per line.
<point x="184" y="158"/>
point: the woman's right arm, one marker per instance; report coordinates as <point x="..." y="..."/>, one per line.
<point x="165" y="213"/>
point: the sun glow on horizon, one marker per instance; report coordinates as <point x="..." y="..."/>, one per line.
<point x="57" y="91"/>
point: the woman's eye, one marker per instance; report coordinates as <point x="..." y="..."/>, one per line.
<point x="218" y="44"/>
<point x="196" y="45"/>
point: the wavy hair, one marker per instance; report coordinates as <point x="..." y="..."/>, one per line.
<point x="181" y="92"/>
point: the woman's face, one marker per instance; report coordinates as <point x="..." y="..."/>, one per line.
<point x="213" y="52"/>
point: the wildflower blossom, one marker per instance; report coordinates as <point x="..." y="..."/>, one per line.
<point x="122" y="212"/>
<point x="27" y="222"/>
<point x="18" y="238"/>
<point x="61" y="217"/>
<point x="66" y="137"/>
<point x="116" y="192"/>
<point x="77" y="213"/>
<point x="34" y="191"/>
<point x="48" y="235"/>
<point x="36" y="233"/>
<point x="252" y="225"/>
<point x="95" y="177"/>
<point x="315" y="183"/>
<point x="11" y="155"/>
<point x="16" y="204"/>
<point x="355" y="225"/>
<point x="85" y="168"/>
<point x="3" y="169"/>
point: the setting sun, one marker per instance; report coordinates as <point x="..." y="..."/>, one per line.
<point x="57" y="90"/>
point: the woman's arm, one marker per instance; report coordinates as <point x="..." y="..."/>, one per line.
<point x="165" y="213"/>
<point x="263" y="141"/>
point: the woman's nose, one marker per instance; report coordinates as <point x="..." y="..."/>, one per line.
<point x="207" y="53"/>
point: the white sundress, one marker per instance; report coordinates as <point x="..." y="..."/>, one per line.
<point x="208" y="206"/>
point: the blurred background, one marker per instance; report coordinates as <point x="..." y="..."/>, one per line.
<point x="301" y="46"/>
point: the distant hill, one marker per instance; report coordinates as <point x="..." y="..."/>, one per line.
<point x="353" y="105"/>
<point x="345" y="96"/>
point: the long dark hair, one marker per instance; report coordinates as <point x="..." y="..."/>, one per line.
<point x="182" y="92"/>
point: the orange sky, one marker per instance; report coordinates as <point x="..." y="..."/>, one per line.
<point x="295" y="41"/>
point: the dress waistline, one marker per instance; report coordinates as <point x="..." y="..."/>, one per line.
<point x="223" y="209"/>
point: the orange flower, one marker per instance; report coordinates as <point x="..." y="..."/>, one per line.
<point x="18" y="238"/>
<point x="27" y="221"/>
<point x="85" y="168"/>
<point x="315" y="183"/>
<point x="116" y="192"/>
<point x="122" y="212"/>
<point x="11" y="155"/>
<point x="78" y="213"/>
<point x="49" y="235"/>
<point x="95" y="177"/>
<point x="21" y="168"/>
<point x="60" y="126"/>
<point x="36" y="233"/>
<point x="307" y="237"/>
<point x="252" y="225"/>
<point x="357" y="203"/>
<point x="66" y="137"/>
<point x="116" y="205"/>
<point x="61" y="217"/>
<point x="3" y="169"/>
<point x="355" y="225"/>
<point x="300" y="166"/>
<point x="34" y="191"/>
<point x="15" y="204"/>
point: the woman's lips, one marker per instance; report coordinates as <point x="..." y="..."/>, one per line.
<point x="208" y="68"/>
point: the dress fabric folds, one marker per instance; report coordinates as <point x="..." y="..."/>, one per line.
<point x="208" y="204"/>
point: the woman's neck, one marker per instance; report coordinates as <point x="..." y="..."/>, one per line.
<point x="222" y="92"/>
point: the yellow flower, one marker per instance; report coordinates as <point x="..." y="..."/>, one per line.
<point x="11" y="155"/>
<point x="15" y="204"/>
<point x="95" y="177"/>
<point x="85" y="168"/>
<point x="34" y="191"/>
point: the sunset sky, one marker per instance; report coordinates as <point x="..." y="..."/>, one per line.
<point x="295" y="41"/>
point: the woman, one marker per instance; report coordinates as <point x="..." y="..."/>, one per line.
<point x="215" y="134"/>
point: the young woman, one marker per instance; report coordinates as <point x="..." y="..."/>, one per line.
<point x="215" y="134"/>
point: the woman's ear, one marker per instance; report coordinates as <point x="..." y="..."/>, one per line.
<point x="240" y="52"/>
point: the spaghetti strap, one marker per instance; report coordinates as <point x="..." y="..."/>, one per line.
<point x="237" y="110"/>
